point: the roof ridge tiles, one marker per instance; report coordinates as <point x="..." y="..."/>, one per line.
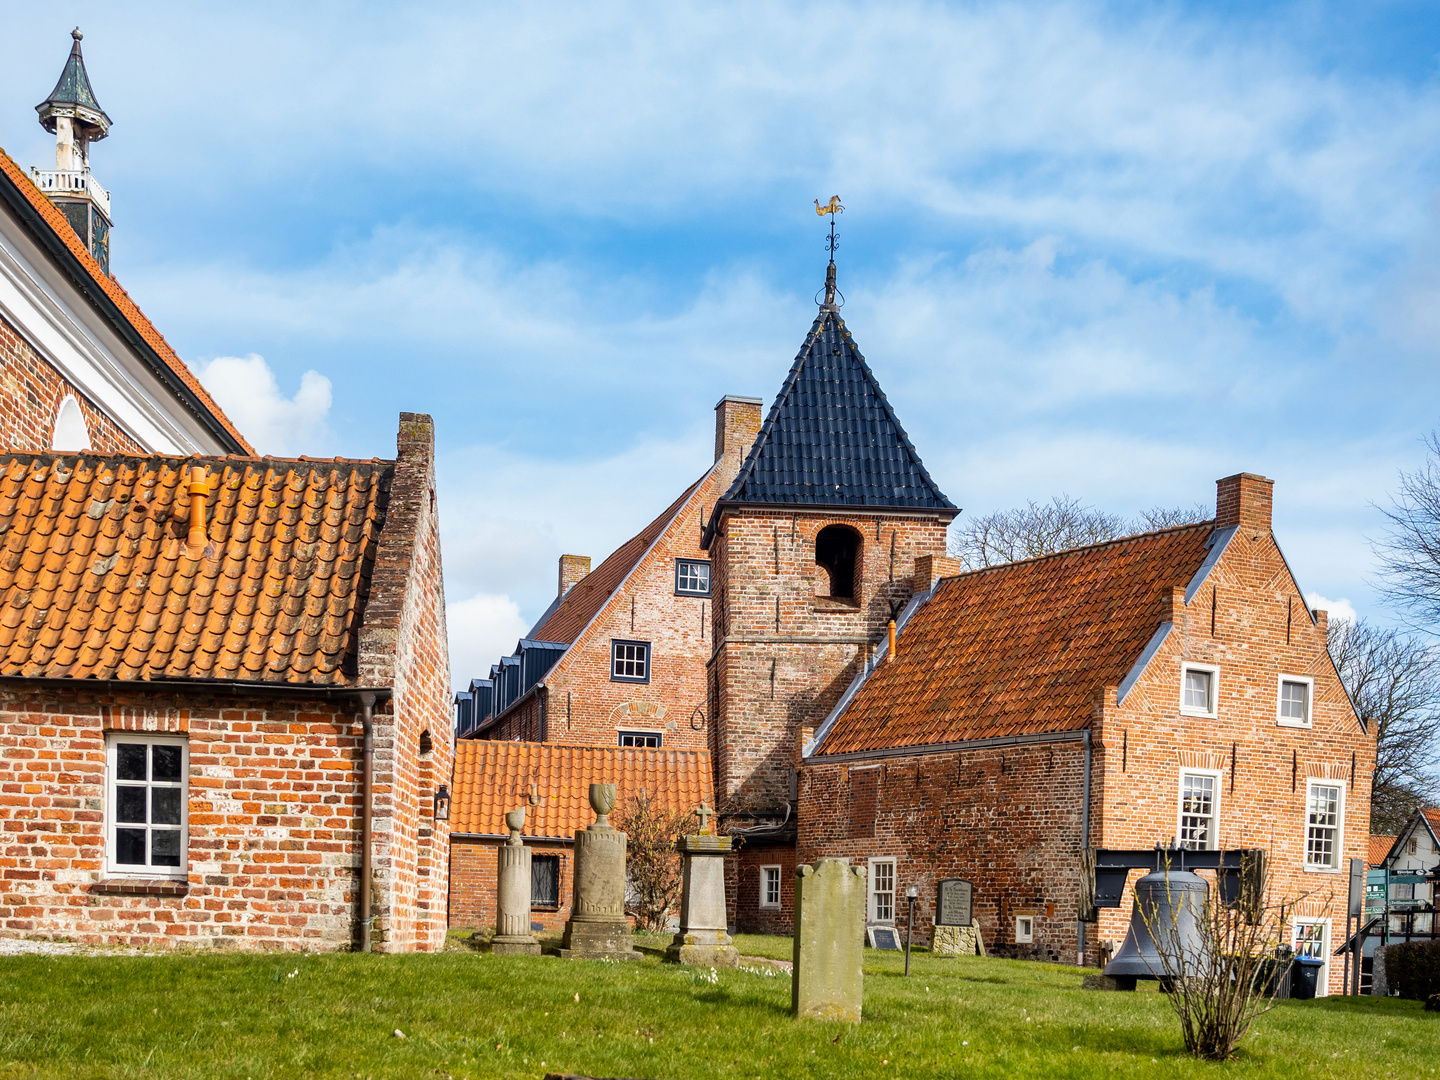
<point x="1210" y="524"/>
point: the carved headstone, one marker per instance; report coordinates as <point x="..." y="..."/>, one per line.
<point x="828" y="979"/>
<point x="703" y="938"/>
<point x="954" y="900"/>
<point x="597" y="928"/>
<point x="512" y="899"/>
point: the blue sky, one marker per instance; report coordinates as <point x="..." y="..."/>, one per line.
<point x="1115" y="251"/>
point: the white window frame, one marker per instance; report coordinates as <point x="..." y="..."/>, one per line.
<point x="765" y="879"/>
<point x="1287" y="721"/>
<point x="1024" y="929"/>
<point x="1322" y="983"/>
<point x="645" y="733"/>
<point x="681" y="565"/>
<point x="872" y="912"/>
<point x="641" y="658"/>
<point x="1188" y="710"/>
<point x="130" y="870"/>
<point x="1219" y="777"/>
<point x="1339" y="846"/>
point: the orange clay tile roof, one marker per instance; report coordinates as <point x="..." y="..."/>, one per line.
<point x="1379" y="847"/>
<point x="118" y="296"/>
<point x="96" y="582"/>
<point x="494" y="777"/>
<point x="1020" y="648"/>
<point x="590" y="592"/>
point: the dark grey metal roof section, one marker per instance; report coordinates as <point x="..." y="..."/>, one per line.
<point x="74" y="92"/>
<point x="832" y="439"/>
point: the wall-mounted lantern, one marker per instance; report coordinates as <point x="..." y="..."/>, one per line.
<point x="442" y="803"/>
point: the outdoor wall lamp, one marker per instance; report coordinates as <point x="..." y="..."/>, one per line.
<point x="442" y="803"/>
<point x="911" y="892"/>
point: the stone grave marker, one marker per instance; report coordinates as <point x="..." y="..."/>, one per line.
<point x="828" y="978"/>
<point x="512" y="900"/>
<point x="597" y="929"/>
<point x="702" y="937"/>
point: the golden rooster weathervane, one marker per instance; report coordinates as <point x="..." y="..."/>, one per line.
<point x="833" y="208"/>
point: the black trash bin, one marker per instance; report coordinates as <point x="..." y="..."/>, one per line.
<point x="1305" y="978"/>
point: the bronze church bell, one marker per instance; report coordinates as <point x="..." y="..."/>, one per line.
<point x="1169" y="903"/>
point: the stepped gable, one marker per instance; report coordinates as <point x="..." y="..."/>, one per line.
<point x="56" y="233"/>
<point x="1021" y="648"/>
<point x="831" y="438"/>
<point x="573" y="612"/>
<point x="492" y="778"/>
<point x="97" y="580"/>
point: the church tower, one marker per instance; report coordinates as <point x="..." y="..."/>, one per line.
<point x="75" y="118"/>
<point x="815" y="548"/>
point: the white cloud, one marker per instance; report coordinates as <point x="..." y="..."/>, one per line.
<point x="1337" y="609"/>
<point x="482" y="629"/>
<point x="246" y="389"/>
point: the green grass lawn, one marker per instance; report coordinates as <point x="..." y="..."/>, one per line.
<point x="468" y="1014"/>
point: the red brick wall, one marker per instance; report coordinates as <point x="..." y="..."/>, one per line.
<point x="473" y="884"/>
<point x="30" y="395"/>
<point x="742" y="886"/>
<point x="274" y="796"/>
<point x="1005" y="818"/>
<point x="786" y="651"/>
<point x="403" y="645"/>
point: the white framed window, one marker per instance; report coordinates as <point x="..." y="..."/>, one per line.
<point x="1310" y="938"/>
<point x="1324" y="820"/>
<point x="1293" y="700"/>
<point x="692" y="577"/>
<point x="882" y="890"/>
<point x="1024" y="929"/>
<point x="1199" y="824"/>
<point x="769" y="886"/>
<point x="643" y="739"/>
<point x="1199" y="689"/>
<point x="146" y="817"/>
<point x="630" y="661"/>
<point x="1413" y="847"/>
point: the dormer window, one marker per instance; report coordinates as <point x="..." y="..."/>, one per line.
<point x="837" y="552"/>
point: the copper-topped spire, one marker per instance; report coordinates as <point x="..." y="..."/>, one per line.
<point x="73" y="99"/>
<point x="832" y="208"/>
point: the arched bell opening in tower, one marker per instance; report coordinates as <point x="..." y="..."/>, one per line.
<point x="1166" y="936"/>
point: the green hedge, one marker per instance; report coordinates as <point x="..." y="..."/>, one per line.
<point x="1413" y="969"/>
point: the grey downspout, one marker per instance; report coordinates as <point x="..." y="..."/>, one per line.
<point x="1084" y="843"/>
<point x="367" y="784"/>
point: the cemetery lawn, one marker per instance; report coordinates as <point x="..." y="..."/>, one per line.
<point x="469" y="1014"/>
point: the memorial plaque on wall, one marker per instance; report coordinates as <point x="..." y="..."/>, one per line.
<point x="953" y="902"/>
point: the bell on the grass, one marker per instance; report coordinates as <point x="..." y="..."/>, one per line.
<point x="1168" y="905"/>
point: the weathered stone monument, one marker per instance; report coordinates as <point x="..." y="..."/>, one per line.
<point x="828" y="980"/>
<point x="703" y="938"/>
<point x="955" y="932"/>
<point x="597" y="929"/>
<point x="512" y="900"/>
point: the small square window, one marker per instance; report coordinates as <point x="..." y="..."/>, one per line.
<point x="545" y="881"/>
<point x="643" y="739"/>
<point x="1197" y="690"/>
<point x="692" y="577"/>
<point x="630" y="661"/>
<point x="1024" y="929"/>
<point x="1294" y="701"/>
<point x="769" y="886"/>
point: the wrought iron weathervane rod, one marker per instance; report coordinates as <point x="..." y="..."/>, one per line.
<point x="833" y="208"/>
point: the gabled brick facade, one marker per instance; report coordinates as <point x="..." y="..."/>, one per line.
<point x="953" y="788"/>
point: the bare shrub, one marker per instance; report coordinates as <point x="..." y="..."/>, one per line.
<point x="652" y="865"/>
<point x="1227" y="972"/>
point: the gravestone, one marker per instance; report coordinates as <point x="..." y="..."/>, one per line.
<point x="828" y="978"/>
<point x="512" y="895"/>
<point x="954" y="901"/>
<point x="702" y="938"/>
<point x="957" y="941"/>
<point x="597" y="929"/>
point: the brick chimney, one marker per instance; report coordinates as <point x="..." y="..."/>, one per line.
<point x="931" y="568"/>
<point x="1245" y="500"/>
<point x="737" y="423"/>
<point x="572" y="569"/>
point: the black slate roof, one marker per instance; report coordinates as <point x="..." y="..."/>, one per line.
<point x="831" y="438"/>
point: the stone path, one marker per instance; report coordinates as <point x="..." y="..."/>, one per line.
<point x="28" y="946"/>
<point x="783" y="965"/>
